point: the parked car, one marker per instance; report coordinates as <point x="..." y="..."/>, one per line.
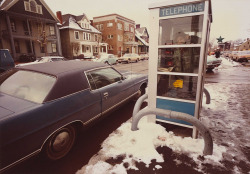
<point x="107" y="58"/>
<point x="144" y="57"/>
<point x="213" y="62"/>
<point x="232" y="54"/>
<point x="44" y="59"/>
<point x="6" y="60"/>
<point x="27" y="58"/>
<point x="242" y="56"/>
<point x="43" y="106"/>
<point x="129" y="57"/>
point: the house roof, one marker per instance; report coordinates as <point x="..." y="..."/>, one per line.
<point x="139" y="37"/>
<point x="70" y="22"/>
<point x="7" y="4"/>
<point x="141" y="30"/>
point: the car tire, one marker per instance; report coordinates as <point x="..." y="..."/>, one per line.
<point x="60" y="143"/>
<point x="128" y="60"/>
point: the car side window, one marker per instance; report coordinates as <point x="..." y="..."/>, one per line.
<point x="103" y="77"/>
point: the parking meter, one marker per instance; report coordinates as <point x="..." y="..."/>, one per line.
<point x="179" y="36"/>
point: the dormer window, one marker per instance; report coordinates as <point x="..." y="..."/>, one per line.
<point x="32" y="6"/>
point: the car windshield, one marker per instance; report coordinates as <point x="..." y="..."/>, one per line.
<point x="28" y="85"/>
<point x="43" y="60"/>
<point x="127" y="55"/>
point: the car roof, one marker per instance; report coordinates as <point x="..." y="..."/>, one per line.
<point x="61" y="67"/>
<point x="69" y="75"/>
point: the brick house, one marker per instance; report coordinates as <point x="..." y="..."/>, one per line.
<point x="79" y="37"/>
<point x="118" y="32"/>
<point x="28" y="27"/>
<point x="142" y="37"/>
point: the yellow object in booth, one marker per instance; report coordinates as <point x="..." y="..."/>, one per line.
<point x="178" y="84"/>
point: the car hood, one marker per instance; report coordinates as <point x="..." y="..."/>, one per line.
<point x="10" y="105"/>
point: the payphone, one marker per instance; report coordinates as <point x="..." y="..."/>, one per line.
<point x="179" y="36"/>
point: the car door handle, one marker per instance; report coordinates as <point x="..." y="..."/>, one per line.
<point x="105" y="94"/>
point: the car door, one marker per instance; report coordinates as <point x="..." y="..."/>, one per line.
<point x="112" y="87"/>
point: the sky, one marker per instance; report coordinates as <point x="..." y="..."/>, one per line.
<point x="230" y="17"/>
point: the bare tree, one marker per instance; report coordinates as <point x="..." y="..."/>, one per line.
<point x="42" y="36"/>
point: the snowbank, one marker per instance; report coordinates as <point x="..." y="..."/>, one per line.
<point x="141" y="146"/>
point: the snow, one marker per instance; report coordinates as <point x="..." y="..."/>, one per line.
<point x="140" y="145"/>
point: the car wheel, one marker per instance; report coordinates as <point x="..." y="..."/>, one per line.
<point x="106" y="62"/>
<point x="210" y="69"/>
<point x="128" y="60"/>
<point x="60" y="143"/>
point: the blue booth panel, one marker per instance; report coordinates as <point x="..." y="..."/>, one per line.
<point x="177" y="106"/>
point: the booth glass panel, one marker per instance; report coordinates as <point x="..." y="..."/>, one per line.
<point x="185" y="60"/>
<point x="185" y="30"/>
<point x="175" y="86"/>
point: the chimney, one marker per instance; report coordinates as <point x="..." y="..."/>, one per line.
<point x="138" y="26"/>
<point x="59" y="16"/>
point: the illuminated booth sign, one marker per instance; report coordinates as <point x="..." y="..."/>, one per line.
<point x="179" y="35"/>
<point x="182" y="9"/>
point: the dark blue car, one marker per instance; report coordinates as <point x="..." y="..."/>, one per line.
<point x="42" y="106"/>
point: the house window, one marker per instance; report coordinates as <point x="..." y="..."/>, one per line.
<point x="28" y="46"/>
<point x="110" y="24"/>
<point x="101" y="27"/>
<point x="96" y="37"/>
<point x="119" y="26"/>
<point x="132" y="29"/>
<point x="17" y="46"/>
<point x="53" y="47"/>
<point x="32" y="6"/>
<point x="76" y="35"/>
<point x="110" y="36"/>
<point x="126" y="27"/>
<point x="52" y="30"/>
<point x="119" y="37"/>
<point x="95" y="49"/>
<point x="39" y="9"/>
<point x="13" y="25"/>
<point x="26" y="6"/>
<point x="110" y="47"/>
<point x="84" y="36"/>
<point x="89" y="38"/>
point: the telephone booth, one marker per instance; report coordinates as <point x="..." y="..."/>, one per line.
<point x="179" y="36"/>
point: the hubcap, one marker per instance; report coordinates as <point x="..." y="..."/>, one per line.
<point x="61" y="141"/>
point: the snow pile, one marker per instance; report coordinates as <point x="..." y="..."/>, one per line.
<point x="140" y="146"/>
<point x="228" y="63"/>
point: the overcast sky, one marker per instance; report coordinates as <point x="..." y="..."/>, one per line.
<point x="230" y="17"/>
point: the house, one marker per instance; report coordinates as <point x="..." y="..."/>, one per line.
<point x="79" y="37"/>
<point x="142" y="37"/>
<point x="119" y="32"/>
<point x="28" y="28"/>
<point x="245" y="46"/>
